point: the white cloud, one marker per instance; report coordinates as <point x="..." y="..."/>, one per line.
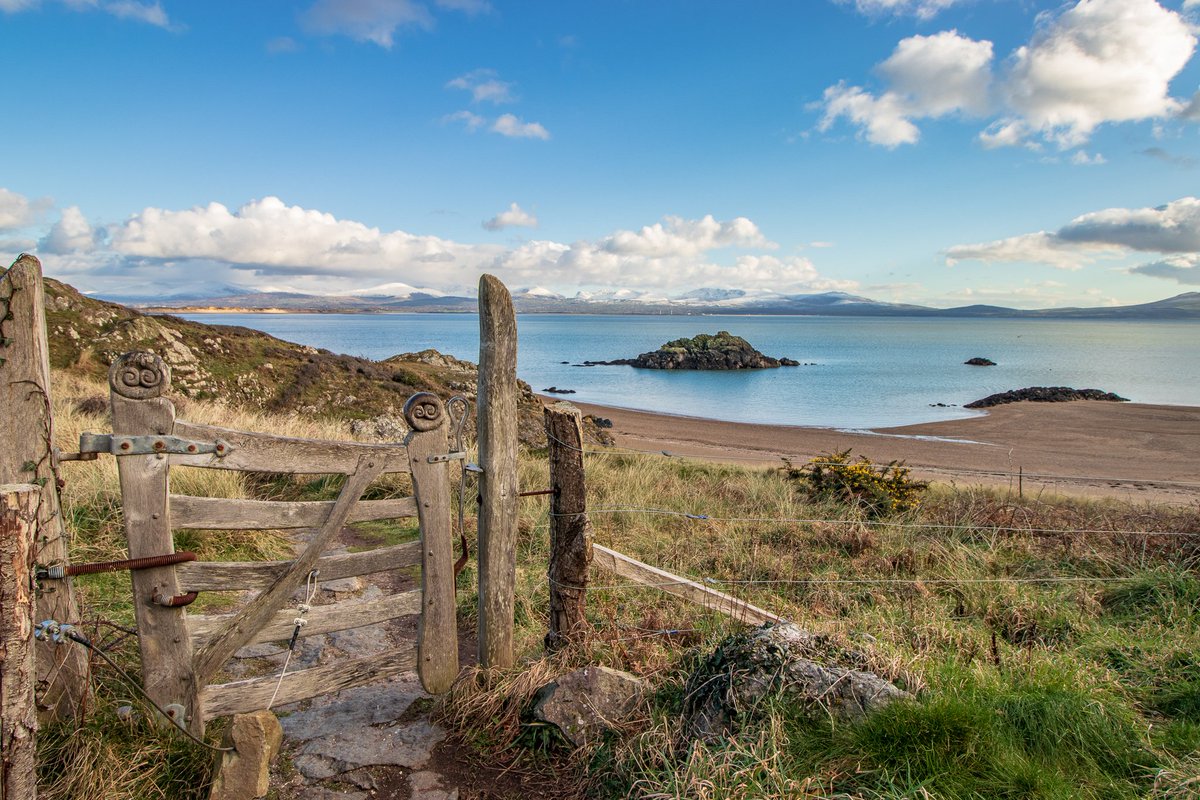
<point x="1181" y="269"/>
<point x="13" y="6"/>
<point x="1173" y="228"/>
<point x="924" y="9"/>
<point x="511" y="125"/>
<point x="1100" y="61"/>
<point x="18" y="211"/>
<point x="514" y="217"/>
<point x="71" y="234"/>
<point x="929" y="77"/>
<point x="365" y="20"/>
<point x="1097" y="62"/>
<point x="471" y="120"/>
<point x="149" y="13"/>
<point x="1081" y="159"/>
<point x="484" y="86"/>
<point x="469" y="7"/>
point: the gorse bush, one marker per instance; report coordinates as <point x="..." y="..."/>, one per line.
<point x="876" y="490"/>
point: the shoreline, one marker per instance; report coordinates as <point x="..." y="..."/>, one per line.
<point x="1132" y="451"/>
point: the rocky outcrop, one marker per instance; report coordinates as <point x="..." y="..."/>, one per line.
<point x="979" y="361"/>
<point x="805" y="668"/>
<point x="1046" y="394"/>
<point x="706" y="351"/>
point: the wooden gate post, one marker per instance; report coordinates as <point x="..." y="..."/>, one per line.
<point x="437" y="628"/>
<point x="27" y="456"/>
<point x="137" y="382"/>
<point x="570" y="528"/>
<point x="18" y="711"/>
<point x="497" y="429"/>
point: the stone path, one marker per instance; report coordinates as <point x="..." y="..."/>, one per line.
<point x="370" y="743"/>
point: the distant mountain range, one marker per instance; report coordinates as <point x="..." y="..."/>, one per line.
<point x="399" y="297"/>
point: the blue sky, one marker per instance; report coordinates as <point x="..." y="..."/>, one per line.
<point x="935" y="151"/>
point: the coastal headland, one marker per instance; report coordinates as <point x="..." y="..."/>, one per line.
<point x="1132" y="451"/>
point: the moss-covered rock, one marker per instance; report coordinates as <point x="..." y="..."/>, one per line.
<point x="721" y="350"/>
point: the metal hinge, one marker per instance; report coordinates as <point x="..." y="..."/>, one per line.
<point x="444" y="458"/>
<point x="92" y="443"/>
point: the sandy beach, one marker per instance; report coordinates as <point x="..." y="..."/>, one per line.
<point x="1128" y="450"/>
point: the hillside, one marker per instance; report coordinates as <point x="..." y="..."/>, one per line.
<point x="247" y="368"/>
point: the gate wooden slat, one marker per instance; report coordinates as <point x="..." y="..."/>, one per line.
<point x="320" y="619"/>
<point x="229" y="576"/>
<point x="262" y="452"/>
<point x="216" y="513"/>
<point x="239" y="631"/>
<point x="250" y="695"/>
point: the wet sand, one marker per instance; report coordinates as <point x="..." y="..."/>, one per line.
<point x="1128" y="450"/>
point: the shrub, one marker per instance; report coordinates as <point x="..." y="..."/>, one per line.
<point x="877" y="490"/>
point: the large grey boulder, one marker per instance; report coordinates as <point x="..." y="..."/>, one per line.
<point x="807" y="668"/>
<point x="587" y="702"/>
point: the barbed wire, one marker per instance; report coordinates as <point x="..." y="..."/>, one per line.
<point x="869" y="522"/>
<point x="767" y="456"/>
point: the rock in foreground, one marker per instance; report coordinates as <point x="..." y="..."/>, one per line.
<point x="706" y="351"/>
<point x="1046" y="394"/>
<point x="587" y="702"/>
<point x="748" y="668"/>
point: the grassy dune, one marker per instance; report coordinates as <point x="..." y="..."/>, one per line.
<point x="1026" y="686"/>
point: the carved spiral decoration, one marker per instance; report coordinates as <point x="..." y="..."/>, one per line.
<point x="139" y="376"/>
<point x="424" y="411"/>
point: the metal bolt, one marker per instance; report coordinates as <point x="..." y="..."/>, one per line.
<point x="124" y="445"/>
<point x="191" y="448"/>
<point x="159" y="445"/>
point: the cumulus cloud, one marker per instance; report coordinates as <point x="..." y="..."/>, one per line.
<point x="149" y="13"/>
<point x="1173" y="229"/>
<point x="72" y="233"/>
<point x="365" y="20"/>
<point x="1181" y="269"/>
<point x="18" y="211"/>
<point x="928" y="76"/>
<point x="484" y="86"/>
<point x="514" y="217"/>
<point x="923" y="9"/>
<point x="512" y="126"/>
<point x="1082" y="159"/>
<point x="269" y="243"/>
<point x="470" y="120"/>
<point x="1096" y="62"/>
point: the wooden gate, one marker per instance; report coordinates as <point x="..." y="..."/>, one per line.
<point x="182" y="654"/>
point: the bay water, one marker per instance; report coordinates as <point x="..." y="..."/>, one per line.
<point x="859" y="372"/>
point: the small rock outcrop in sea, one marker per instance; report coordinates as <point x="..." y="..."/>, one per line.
<point x="556" y="390"/>
<point x="979" y="361"/>
<point x="805" y="668"/>
<point x="1045" y="394"/>
<point x="722" y="350"/>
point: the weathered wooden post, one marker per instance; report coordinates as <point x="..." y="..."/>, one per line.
<point x="570" y="528"/>
<point x="18" y="709"/>
<point x="137" y="382"/>
<point x="497" y="429"/>
<point x="27" y="456"/>
<point x="437" y="629"/>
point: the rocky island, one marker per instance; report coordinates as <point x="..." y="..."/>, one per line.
<point x="1046" y="394"/>
<point x="721" y="350"/>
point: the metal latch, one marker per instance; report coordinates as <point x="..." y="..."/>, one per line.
<point x="446" y="457"/>
<point x="91" y="443"/>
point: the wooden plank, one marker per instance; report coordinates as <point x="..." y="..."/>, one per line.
<point x="570" y="528"/>
<point x="216" y="513"/>
<point x="320" y="619"/>
<point x="262" y="452"/>
<point x="18" y="709"/>
<point x="229" y="576"/>
<point x="497" y="429"/>
<point x="136" y="381"/>
<point x="27" y="432"/>
<point x="252" y="694"/>
<point x="683" y="588"/>
<point x="437" y="631"/>
<point x="240" y="630"/>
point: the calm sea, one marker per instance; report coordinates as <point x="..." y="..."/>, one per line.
<point x="864" y="373"/>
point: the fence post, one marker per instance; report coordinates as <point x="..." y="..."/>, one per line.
<point x="18" y="710"/>
<point x="497" y="429"/>
<point x="27" y="456"/>
<point x="570" y="528"/>
<point x="437" y="627"/>
<point x="137" y="382"/>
